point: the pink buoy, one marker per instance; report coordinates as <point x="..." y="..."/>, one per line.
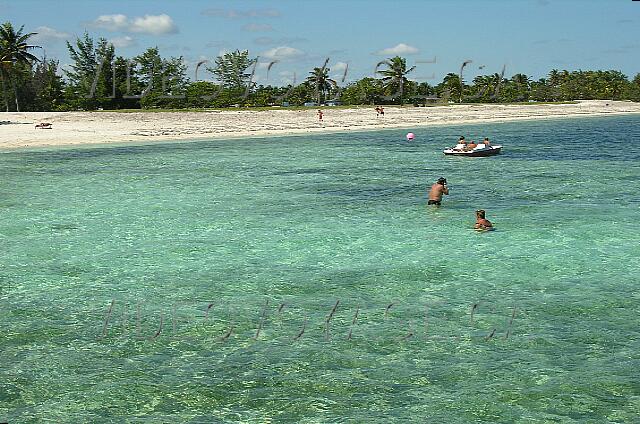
<point x="410" y="136"/>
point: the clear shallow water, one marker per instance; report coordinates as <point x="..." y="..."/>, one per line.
<point x="186" y="243"/>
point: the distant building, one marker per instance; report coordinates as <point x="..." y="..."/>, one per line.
<point x="310" y="104"/>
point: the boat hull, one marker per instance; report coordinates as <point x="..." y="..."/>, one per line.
<point x="493" y="150"/>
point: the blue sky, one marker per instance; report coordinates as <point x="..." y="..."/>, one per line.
<point x="528" y="36"/>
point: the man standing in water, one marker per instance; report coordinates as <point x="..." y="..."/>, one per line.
<point x="437" y="190"/>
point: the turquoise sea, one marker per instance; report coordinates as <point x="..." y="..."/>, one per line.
<point x="304" y="279"/>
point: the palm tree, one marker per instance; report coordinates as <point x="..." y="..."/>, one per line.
<point x="498" y="80"/>
<point x="4" y="85"/>
<point x="452" y="84"/>
<point x="523" y="86"/>
<point x="634" y="88"/>
<point x="554" y="78"/>
<point x="4" y="66"/>
<point x="484" y="84"/>
<point x="14" y="51"/>
<point x="554" y="81"/>
<point x="617" y="81"/>
<point x="320" y="79"/>
<point x="465" y="63"/>
<point x="394" y="77"/>
<point x="522" y="80"/>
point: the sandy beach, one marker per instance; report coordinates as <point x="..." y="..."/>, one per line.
<point x="74" y="128"/>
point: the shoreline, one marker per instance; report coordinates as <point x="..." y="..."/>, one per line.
<point x="105" y="128"/>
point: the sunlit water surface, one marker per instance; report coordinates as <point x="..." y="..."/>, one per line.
<point x="198" y="282"/>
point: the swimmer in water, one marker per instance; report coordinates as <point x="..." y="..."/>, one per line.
<point x="482" y="223"/>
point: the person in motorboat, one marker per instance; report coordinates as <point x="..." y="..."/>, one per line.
<point x="471" y="145"/>
<point x="462" y="144"/>
<point x="437" y="190"/>
<point x="482" y="223"/>
<point x="473" y="149"/>
<point x="484" y="144"/>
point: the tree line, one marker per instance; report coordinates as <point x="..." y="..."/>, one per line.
<point x="99" y="79"/>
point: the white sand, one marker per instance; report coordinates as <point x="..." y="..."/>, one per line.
<point x="107" y="127"/>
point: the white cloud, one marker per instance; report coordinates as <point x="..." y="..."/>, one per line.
<point x="111" y="22"/>
<point x="283" y="53"/>
<point x="398" y="50"/>
<point x="235" y="14"/>
<point x="338" y="67"/>
<point x="45" y="35"/>
<point x="253" y="27"/>
<point x="154" y="24"/>
<point x="148" y="24"/>
<point x="287" y="77"/>
<point x="338" y="70"/>
<point x="122" y="42"/>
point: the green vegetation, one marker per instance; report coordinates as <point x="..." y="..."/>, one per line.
<point x="322" y="84"/>
<point x="15" y="60"/>
<point x="98" y="79"/>
<point x="394" y="78"/>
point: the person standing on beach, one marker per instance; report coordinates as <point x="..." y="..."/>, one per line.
<point x="437" y="190"/>
<point x="320" y="115"/>
<point x="381" y="111"/>
<point x="377" y="111"/>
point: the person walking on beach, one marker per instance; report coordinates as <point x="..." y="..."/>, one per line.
<point x="482" y="223"/>
<point x="377" y="111"/>
<point x="437" y="190"/>
<point x="320" y="115"/>
<point x="381" y="111"/>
